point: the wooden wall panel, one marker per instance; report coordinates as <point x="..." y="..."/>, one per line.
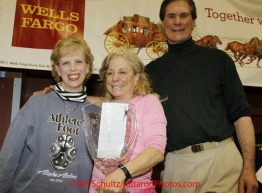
<point x="6" y="96"/>
<point x="254" y="97"/>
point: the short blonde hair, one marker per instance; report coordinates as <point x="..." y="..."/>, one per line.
<point x="67" y="45"/>
<point x="142" y="87"/>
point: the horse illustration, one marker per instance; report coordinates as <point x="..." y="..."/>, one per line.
<point x="253" y="49"/>
<point x="208" y="41"/>
<point x="259" y="52"/>
<point x="204" y="41"/>
<point x="214" y="41"/>
<point x="239" y="50"/>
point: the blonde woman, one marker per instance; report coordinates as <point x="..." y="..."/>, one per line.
<point x="124" y="79"/>
<point x="44" y="149"/>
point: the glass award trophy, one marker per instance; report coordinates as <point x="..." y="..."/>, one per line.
<point x="110" y="132"/>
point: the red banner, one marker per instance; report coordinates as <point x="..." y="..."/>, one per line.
<point x="40" y="24"/>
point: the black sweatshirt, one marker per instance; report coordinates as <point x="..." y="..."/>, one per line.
<point x="205" y="94"/>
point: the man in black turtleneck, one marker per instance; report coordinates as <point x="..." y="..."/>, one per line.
<point x="206" y="103"/>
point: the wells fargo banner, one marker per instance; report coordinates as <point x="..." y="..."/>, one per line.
<point x="30" y="29"/>
<point x="40" y="24"/>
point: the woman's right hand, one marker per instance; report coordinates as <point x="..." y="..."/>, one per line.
<point x="113" y="183"/>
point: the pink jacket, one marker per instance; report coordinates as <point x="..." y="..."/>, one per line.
<point x="151" y="133"/>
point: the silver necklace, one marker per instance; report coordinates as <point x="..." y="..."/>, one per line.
<point x="68" y="110"/>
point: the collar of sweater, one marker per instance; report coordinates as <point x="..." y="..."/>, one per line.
<point x="182" y="47"/>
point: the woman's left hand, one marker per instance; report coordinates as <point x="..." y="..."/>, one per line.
<point x="113" y="183"/>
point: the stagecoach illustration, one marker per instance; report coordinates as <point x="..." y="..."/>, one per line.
<point x="132" y="33"/>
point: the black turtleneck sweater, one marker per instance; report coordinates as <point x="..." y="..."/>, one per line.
<point x="205" y="94"/>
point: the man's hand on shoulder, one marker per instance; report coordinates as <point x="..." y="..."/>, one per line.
<point x="46" y="90"/>
<point x="94" y="99"/>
